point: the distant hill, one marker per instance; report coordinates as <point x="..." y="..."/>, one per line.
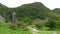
<point x="32" y="10"/>
<point x="35" y="10"/>
<point x="56" y="10"/>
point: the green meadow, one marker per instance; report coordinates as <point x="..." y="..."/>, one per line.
<point x="4" y="29"/>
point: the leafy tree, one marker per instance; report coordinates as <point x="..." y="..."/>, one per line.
<point x="57" y="24"/>
<point x="51" y="24"/>
<point x="27" y="20"/>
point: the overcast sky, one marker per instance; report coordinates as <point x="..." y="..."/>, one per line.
<point x="51" y="4"/>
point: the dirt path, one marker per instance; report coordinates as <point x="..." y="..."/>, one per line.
<point x="34" y="31"/>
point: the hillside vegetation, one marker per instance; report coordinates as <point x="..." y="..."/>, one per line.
<point x="35" y="15"/>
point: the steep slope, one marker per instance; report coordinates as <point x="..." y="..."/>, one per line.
<point x="33" y="10"/>
<point x="5" y="11"/>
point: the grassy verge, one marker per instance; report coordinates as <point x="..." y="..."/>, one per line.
<point x="4" y="29"/>
<point x="49" y="32"/>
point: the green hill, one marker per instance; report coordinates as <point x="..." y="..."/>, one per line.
<point x="56" y="10"/>
<point x="27" y="13"/>
<point x="32" y="10"/>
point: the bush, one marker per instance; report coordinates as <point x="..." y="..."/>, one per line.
<point x="57" y="24"/>
<point x="27" y="20"/>
<point x="13" y="26"/>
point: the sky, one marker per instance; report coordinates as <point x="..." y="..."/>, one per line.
<point x="51" y="4"/>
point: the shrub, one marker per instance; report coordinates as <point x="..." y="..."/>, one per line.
<point x="13" y="26"/>
<point x="51" y="24"/>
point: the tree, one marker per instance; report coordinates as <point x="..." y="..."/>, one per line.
<point x="57" y="24"/>
<point x="27" y="20"/>
<point x="51" y="24"/>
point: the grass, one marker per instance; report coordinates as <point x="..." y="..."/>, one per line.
<point x="4" y="29"/>
<point x="49" y="32"/>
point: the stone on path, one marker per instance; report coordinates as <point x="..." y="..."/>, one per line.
<point x="34" y="31"/>
<point x="54" y="33"/>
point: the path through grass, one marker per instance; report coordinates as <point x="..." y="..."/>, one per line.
<point x="4" y="29"/>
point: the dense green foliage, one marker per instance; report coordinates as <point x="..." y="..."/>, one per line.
<point x="56" y="10"/>
<point x="27" y="13"/>
<point x="34" y="10"/>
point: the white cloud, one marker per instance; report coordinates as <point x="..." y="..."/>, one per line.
<point x="14" y="3"/>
